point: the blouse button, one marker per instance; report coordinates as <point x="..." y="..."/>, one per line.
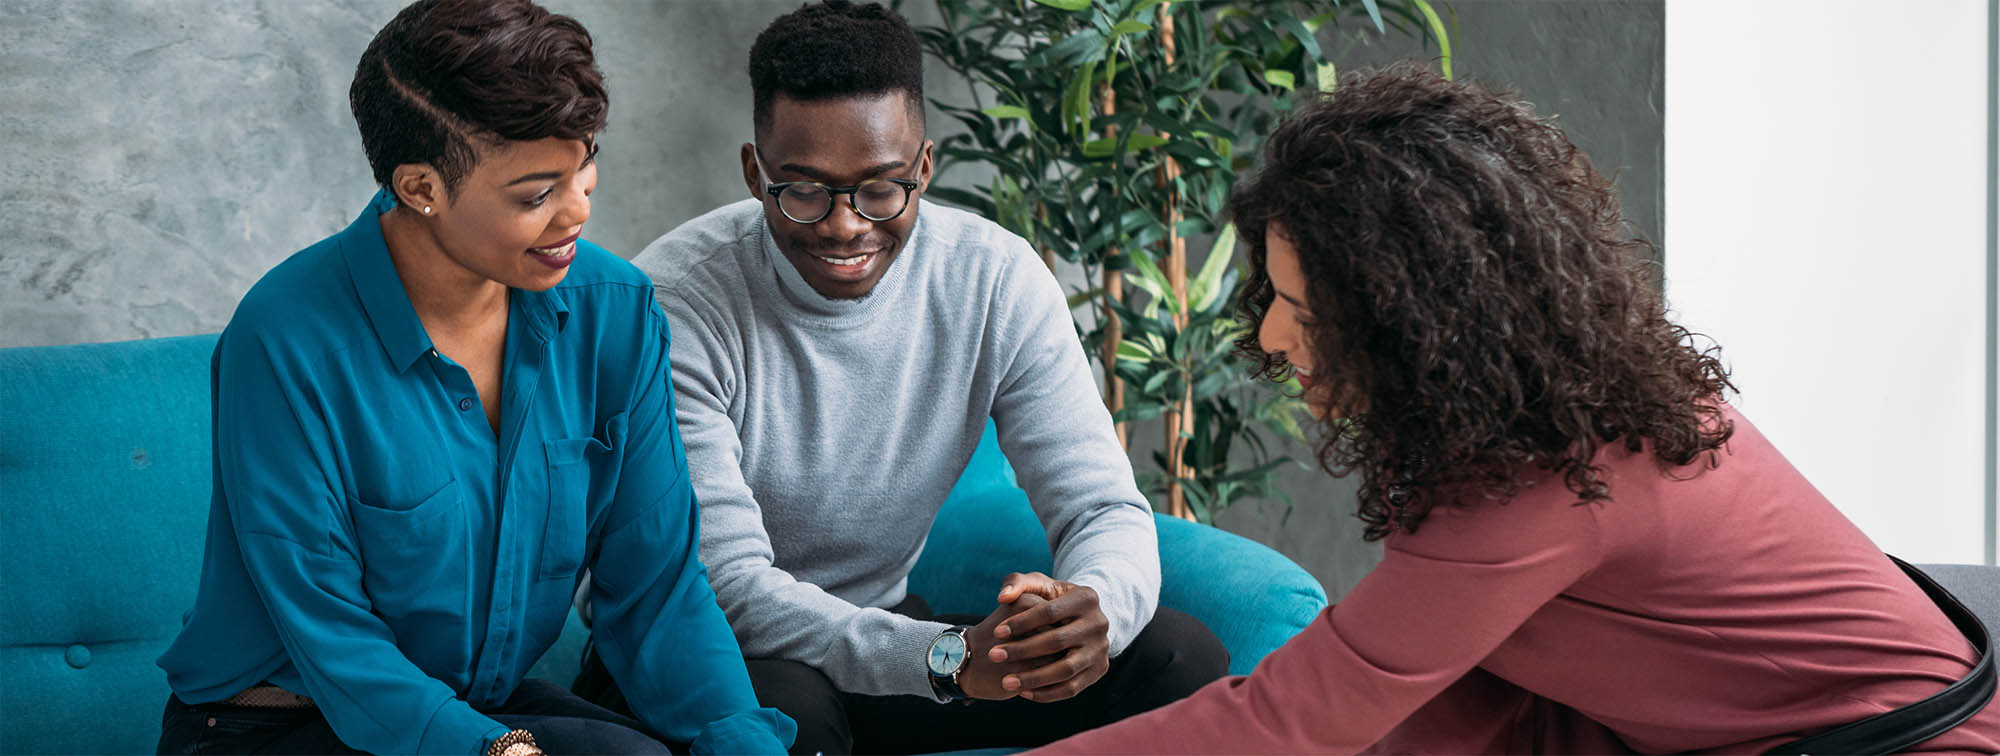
<point x="465" y="404"/>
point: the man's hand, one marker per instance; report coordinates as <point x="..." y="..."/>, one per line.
<point x="1066" y="640"/>
<point x="981" y="676"/>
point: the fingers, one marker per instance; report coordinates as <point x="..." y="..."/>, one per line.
<point x="1075" y="603"/>
<point x="1061" y="678"/>
<point x="1037" y="583"/>
<point x="1051" y="642"/>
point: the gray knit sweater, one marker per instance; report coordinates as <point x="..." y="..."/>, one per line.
<point x="823" y="435"/>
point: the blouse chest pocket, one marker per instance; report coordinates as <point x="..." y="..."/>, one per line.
<point x="415" y="558"/>
<point x="570" y="462"/>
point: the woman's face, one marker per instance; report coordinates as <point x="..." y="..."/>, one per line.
<point x="1285" y="329"/>
<point x="516" y="217"/>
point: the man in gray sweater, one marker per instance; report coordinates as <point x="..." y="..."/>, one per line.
<point x="838" y="346"/>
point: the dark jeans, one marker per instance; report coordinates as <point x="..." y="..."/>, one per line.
<point x="561" y="722"/>
<point x="1171" y="658"/>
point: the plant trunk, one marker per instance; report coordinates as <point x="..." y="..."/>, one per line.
<point x="1179" y="419"/>
<point x="1114" y="293"/>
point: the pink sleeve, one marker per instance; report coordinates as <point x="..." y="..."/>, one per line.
<point x="1440" y="601"/>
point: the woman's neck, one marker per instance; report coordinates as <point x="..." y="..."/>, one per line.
<point x="444" y="293"/>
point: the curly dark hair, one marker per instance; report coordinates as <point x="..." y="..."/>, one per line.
<point x="1479" y="305"/>
<point x="445" y="72"/>
<point x="836" y="49"/>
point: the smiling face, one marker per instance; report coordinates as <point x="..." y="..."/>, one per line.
<point x="1287" y="326"/>
<point x="839" y="142"/>
<point x="515" y="218"/>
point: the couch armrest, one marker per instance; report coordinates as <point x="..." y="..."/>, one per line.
<point x="1252" y="597"/>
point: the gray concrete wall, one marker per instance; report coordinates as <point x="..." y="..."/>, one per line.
<point x="160" y="155"/>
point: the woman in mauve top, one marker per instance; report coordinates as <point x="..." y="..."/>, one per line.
<point x="1587" y="550"/>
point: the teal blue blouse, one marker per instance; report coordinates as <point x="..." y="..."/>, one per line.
<point x="373" y="544"/>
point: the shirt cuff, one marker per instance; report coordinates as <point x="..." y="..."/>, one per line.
<point x="911" y="651"/>
<point x="456" y="727"/>
<point x="765" y="731"/>
<point x="1123" y="618"/>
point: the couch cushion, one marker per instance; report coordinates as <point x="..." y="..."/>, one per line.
<point x="104" y="462"/>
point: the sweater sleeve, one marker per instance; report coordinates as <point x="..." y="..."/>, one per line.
<point x="1441" y="600"/>
<point x="1059" y="436"/>
<point x="862" y="650"/>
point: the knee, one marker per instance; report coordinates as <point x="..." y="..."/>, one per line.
<point x="572" y="735"/>
<point x="809" y="698"/>
<point x="1178" y="653"/>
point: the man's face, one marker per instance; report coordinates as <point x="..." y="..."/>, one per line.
<point x="839" y="142"/>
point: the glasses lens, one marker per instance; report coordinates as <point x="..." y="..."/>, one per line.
<point x="880" y="200"/>
<point x="805" y="203"/>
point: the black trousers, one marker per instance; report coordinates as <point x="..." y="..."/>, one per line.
<point x="561" y="722"/>
<point x="1175" y="655"/>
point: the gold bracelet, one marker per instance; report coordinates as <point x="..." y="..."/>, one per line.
<point x="509" y="740"/>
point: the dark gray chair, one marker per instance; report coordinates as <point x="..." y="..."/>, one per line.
<point x="1976" y="586"/>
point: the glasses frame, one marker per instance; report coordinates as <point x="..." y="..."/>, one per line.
<point x="909" y="186"/>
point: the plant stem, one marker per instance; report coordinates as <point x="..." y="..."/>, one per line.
<point x="1180" y="418"/>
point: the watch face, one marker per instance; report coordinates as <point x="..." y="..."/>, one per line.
<point x="947" y="653"/>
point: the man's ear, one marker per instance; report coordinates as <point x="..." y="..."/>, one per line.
<point x="751" y="179"/>
<point x="927" y="166"/>
<point x="419" y="187"/>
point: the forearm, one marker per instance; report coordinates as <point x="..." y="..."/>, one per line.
<point x="862" y="650"/>
<point x="1117" y="555"/>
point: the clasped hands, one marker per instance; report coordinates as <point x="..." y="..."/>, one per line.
<point x="1047" y="641"/>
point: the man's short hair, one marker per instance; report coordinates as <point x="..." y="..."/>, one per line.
<point x="445" y="72"/>
<point x="836" y="49"/>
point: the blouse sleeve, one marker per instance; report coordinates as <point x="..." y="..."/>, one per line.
<point x="275" y="466"/>
<point x="662" y="635"/>
<point x="1442" y="600"/>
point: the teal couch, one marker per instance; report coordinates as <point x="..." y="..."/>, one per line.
<point x="104" y="488"/>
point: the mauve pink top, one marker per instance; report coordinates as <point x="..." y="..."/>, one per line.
<point x="1727" y="612"/>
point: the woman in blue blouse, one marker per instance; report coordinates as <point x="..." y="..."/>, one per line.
<point x="429" y="423"/>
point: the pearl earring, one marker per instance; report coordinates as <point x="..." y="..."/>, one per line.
<point x="427" y="209"/>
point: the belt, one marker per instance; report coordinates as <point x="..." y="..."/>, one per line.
<point x="1893" y="731"/>
<point x="267" y="696"/>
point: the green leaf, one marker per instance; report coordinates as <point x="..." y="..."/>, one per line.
<point x="1135" y="351"/>
<point x="1007" y="111"/>
<point x="1206" y="284"/>
<point x="1129" y="26"/>
<point x="1281" y="79"/>
<point x="1149" y="278"/>
<point x="1375" y="15"/>
<point x="1068" y="5"/>
<point x="1305" y="37"/>
<point x="1082" y="298"/>
<point x="1437" y="30"/>
<point x="1102" y="148"/>
<point x="1328" y="76"/>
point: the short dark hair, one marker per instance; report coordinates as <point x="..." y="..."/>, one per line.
<point x="836" y="49"/>
<point x="445" y="72"/>
<point x="1479" y="305"/>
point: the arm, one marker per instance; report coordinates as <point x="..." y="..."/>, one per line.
<point x="1440" y="602"/>
<point x="862" y="650"/>
<point x="661" y="633"/>
<point x="1057" y="433"/>
<point x="276" y="469"/>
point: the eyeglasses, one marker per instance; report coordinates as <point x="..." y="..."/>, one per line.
<point x="809" y="202"/>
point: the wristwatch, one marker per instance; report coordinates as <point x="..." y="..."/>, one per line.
<point x="946" y="658"/>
